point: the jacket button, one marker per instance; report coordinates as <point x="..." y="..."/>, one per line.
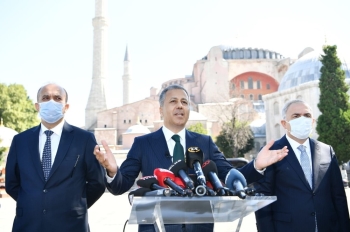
<point x="44" y="211"/>
<point x="45" y="191"/>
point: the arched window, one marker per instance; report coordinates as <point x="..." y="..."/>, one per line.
<point x="260" y="97"/>
<point x="242" y="84"/>
<point x="251" y="97"/>
<point x="267" y="86"/>
<point x="258" y="85"/>
<point x="250" y="83"/>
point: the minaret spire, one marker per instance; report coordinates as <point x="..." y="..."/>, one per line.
<point x="126" y="78"/>
<point x="98" y="95"/>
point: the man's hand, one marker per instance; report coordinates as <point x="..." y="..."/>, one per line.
<point x="267" y="157"/>
<point x="107" y="159"/>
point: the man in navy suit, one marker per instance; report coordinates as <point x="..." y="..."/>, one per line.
<point x="155" y="150"/>
<point x="53" y="193"/>
<point x="311" y="196"/>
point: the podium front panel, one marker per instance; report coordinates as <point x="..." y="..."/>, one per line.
<point x="192" y="210"/>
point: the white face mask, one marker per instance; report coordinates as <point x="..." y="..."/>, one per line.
<point x="301" y="127"/>
<point x="51" y="111"/>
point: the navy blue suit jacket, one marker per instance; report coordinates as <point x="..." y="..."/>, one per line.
<point x="60" y="203"/>
<point x="150" y="151"/>
<point x="297" y="203"/>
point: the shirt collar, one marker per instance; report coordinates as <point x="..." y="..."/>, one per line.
<point x="168" y="133"/>
<point x="56" y="130"/>
<point x="294" y="144"/>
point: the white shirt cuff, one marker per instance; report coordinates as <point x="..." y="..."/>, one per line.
<point x="109" y="179"/>
<point x="260" y="171"/>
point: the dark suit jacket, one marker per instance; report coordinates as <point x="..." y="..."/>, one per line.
<point x="61" y="203"/>
<point x="151" y="151"/>
<point x="297" y="203"/>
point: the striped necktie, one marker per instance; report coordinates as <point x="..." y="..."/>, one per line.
<point x="305" y="164"/>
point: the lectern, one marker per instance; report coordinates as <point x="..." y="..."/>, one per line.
<point x="192" y="210"/>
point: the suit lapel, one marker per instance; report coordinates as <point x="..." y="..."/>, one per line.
<point x="321" y="159"/>
<point x="33" y="144"/>
<point x="65" y="142"/>
<point x="160" y="148"/>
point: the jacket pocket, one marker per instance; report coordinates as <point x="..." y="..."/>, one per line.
<point x="78" y="211"/>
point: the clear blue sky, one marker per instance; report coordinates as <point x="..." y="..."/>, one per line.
<point x="51" y="40"/>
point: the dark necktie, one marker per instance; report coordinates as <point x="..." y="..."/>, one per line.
<point x="46" y="159"/>
<point x="305" y="164"/>
<point x="178" y="149"/>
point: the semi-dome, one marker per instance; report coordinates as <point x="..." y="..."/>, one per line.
<point x="6" y="136"/>
<point x="137" y="129"/>
<point x="306" y="68"/>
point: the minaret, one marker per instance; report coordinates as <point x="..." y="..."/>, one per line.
<point x="126" y="79"/>
<point x="98" y="94"/>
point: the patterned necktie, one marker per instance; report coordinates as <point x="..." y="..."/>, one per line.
<point x="178" y="149"/>
<point x="46" y="159"/>
<point x="305" y="164"/>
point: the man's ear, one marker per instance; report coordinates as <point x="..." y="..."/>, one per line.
<point x="161" y="111"/>
<point x="37" y="106"/>
<point x="66" y="107"/>
<point x="283" y="123"/>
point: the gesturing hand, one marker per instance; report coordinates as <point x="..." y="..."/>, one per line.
<point x="267" y="157"/>
<point x="107" y="159"/>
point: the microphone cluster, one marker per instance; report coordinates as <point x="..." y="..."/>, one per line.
<point x="176" y="181"/>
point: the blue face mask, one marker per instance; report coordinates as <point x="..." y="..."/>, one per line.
<point x="51" y="111"/>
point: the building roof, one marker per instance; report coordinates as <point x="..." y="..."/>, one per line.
<point x="137" y="129"/>
<point x="195" y="116"/>
<point x="306" y="68"/>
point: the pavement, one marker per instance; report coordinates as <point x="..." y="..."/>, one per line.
<point x="110" y="213"/>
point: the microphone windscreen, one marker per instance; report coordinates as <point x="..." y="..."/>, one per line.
<point x="209" y="184"/>
<point x="194" y="154"/>
<point x="233" y="175"/>
<point x="147" y="181"/>
<point x="180" y="182"/>
<point x="161" y="174"/>
<point x="139" y="192"/>
<point x="177" y="166"/>
<point x="209" y="166"/>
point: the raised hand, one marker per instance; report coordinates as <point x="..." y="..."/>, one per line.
<point x="106" y="159"/>
<point x="267" y="157"/>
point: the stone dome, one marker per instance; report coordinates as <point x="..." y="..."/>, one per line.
<point x="6" y="136"/>
<point x="306" y="68"/>
<point x="137" y="129"/>
<point x="232" y="53"/>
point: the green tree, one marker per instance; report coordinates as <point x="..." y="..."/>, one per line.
<point x="2" y="154"/>
<point x="333" y="125"/>
<point x="235" y="140"/>
<point x="16" y="109"/>
<point x="198" y="127"/>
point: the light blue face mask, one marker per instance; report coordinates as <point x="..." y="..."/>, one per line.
<point x="51" y="111"/>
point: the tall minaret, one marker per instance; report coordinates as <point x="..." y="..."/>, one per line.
<point x="126" y="79"/>
<point x="98" y="94"/>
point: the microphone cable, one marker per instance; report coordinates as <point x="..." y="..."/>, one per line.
<point x="125" y="225"/>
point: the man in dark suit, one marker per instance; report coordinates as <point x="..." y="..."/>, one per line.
<point x="155" y="150"/>
<point x="309" y="197"/>
<point x="51" y="171"/>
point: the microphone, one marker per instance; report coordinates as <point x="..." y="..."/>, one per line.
<point x="179" y="168"/>
<point x="236" y="181"/>
<point x="150" y="182"/>
<point x="210" y="171"/>
<point x="167" y="178"/>
<point x="180" y="183"/>
<point x="194" y="159"/>
<point x="140" y="192"/>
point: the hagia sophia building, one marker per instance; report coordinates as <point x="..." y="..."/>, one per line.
<point x="262" y="77"/>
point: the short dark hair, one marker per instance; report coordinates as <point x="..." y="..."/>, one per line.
<point x="170" y="87"/>
<point x="38" y="94"/>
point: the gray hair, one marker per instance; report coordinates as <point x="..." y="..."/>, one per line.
<point x="289" y="103"/>
<point x="170" y="87"/>
<point x="51" y="83"/>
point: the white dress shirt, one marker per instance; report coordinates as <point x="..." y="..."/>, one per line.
<point x="55" y="140"/>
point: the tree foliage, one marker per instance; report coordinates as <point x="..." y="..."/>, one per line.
<point x="333" y="125"/>
<point x="235" y="141"/>
<point x="2" y="153"/>
<point x="16" y="109"/>
<point x="198" y="127"/>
